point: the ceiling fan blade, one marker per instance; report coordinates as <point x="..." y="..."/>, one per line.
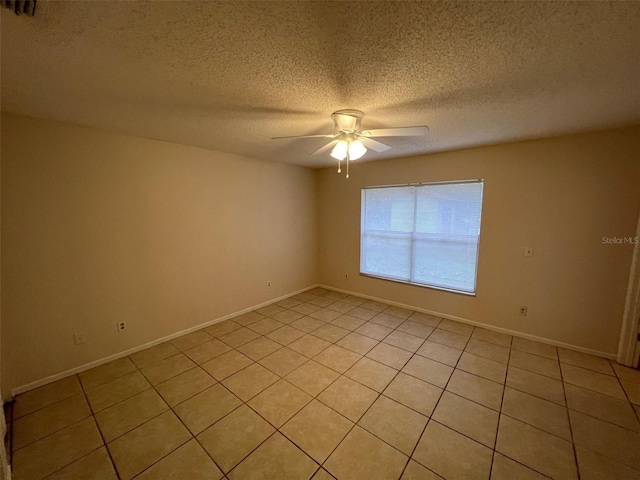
<point x="397" y="132"/>
<point x="306" y="136"/>
<point x="325" y="148"/>
<point x="374" y="144"/>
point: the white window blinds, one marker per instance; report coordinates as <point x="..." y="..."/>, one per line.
<point x="425" y="234"/>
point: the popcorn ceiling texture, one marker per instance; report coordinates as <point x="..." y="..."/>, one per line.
<point x="229" y="75"/>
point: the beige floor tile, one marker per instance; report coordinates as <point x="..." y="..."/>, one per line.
<point x="41" y="397"/>
<point x="364" y="313"/>
<point x="317" y="430"/>
<point x="341" y="307"/>
<point x="222" y="328"/>
<point x="535" y="348"/>
<point x="334" y="295"/>
<point x="265" y="325"/>
<point x="169" y="367"/>
<point x="50" y="454"/>
<point x="428" y="370"/>
<point x="626" y="373"/>
<point x="506" y="469"/>
<point x="488" y="350"/>
<point x="440" y="353"/>
<point x="373" y="330"/>
<point x="309" y="346"/>
<point x="348" y="398"/>
<point x="372" y="374"/>
<point x="536" y="449"/>
<point x="283" y="361"/>
<point x="373" y="305"/>
<point x="154" y="354"/>
<point x="361" y="455"/>
<point x="358" y="301"/>
<point x="142" y="447"/>
<point x="387" y="320"/>
<point x="275" y="458"/>
<point x="416" y="394"/>
<point x="287" y="316"/>
<point x="278" y="403"/>
<point x="331" y="333"/>
<point x="249" y="382"/>
<point x="307" y="324"/>
<point x="594" y="466"/>
<point x="604" y="407"/>
<point x="116" y="390"/>
<point x="452" y="455"/>
<point x="288" y="303"/>
<point x="598" y="382"/>
<point x="286" y="335"/>
<point x="483" y="367"/>
<point x="535" y="411"/>
<point x="270" y="310"/>
<point x="206" y="408"/>
<point x="107" y="372"/>
<point x="590" y="362"/>
<point x="416" y="329"/>
<point x="405" y="341"/>
<point x="389" y="355"/>
<point x="322" y="474"/>
<point x="337" y="358"/>
<point x="456" y="327"/>
<point x="312" y="377"/>
<point x="249" y="317"/>
<point x="492" y="337"/>
<point x="400" y="312"/>
<point x="632" y="389"/>
<point x="306" y="308"/>
<point x="191" y="340"/>
<point x="467" y="417"/>
<point x="617" y="443"/>
<point x="325" y="315"/>
<point x="304" y="296"/>
<point x="48" y="420"/>
<point x="239" y="337"/>
<point x="189" y="461"/>
<point x="96" y="466"/>
<point x="226" y="364"/>
<point x="415" y="471"/>
<point x="235" y="436"/>
<point x="538" y="385"/>
<point x="184" y="386"/>
<point x="535" y="364"/>
<point x="347" y="322"/>
<point x="449" y="339"/>
<point x="357" y="343"/>
<point x="127" y="415"/>
<point x="480" y="390"/>
<point x="206" y="351"/>
<point x="321" y="301"/>
<point x="425" y="319"/>
<point x="394" y="423"/>
<point x="259" y="348"/>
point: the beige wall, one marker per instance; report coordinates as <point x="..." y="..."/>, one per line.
<point x="559" y="196"/>
<point x="99" y="227"/>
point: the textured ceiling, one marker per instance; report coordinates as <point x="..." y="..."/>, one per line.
<point x="230" y="75"/>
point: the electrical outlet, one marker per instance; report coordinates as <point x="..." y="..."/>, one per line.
<point x="528" y="251"/>
<point x="121" y="326"/>
<point x="78" y="338"/>
<point x="523" y="311"/>
<point x="346" y="276"/>
<point x="268" y="284"/>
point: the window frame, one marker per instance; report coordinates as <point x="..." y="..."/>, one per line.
<point x="408" y="282"/>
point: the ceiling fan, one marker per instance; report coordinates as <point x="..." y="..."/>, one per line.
<point x="350" y="142"/>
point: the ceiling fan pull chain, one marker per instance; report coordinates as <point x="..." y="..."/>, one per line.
<point x="339" y="169"/>
<point x="347" y="163"/>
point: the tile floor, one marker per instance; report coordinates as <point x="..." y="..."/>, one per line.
<point x="323" y="385"/>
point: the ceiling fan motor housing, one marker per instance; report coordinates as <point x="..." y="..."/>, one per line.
<point x="347" y="121"/>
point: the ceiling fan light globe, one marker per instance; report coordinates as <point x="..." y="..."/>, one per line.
<point x="356" y="150"/>
<point x="339" y="152"/>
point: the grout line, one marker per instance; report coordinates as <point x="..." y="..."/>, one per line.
<point x="573" y="444"/>
<point x="504" y="389"/>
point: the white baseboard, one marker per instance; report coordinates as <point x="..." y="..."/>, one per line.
<point x="116" y="356"/>
<point x="515" y="333"/>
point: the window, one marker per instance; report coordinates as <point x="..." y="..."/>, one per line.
<point x="422" y="234"/>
